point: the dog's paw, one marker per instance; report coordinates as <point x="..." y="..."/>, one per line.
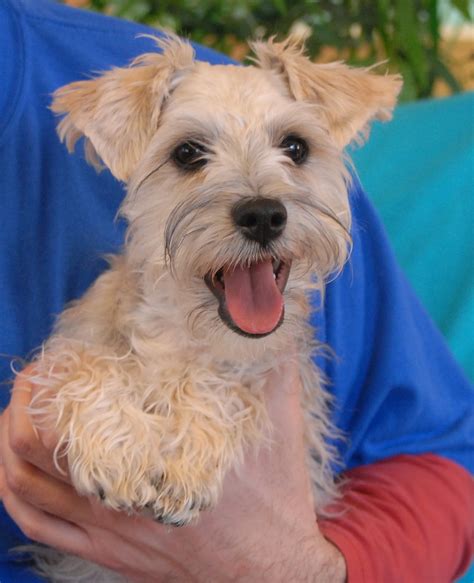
<point x="175" y="508"/>
<point x="169" y="502"/>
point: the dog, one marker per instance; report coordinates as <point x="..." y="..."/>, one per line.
<point x="237" y="209"/>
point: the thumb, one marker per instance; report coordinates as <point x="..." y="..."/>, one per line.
<point x="283" y="393"/>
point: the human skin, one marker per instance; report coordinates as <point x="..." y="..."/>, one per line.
<point x="263" y="529"/>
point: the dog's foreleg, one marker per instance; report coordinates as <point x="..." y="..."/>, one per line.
<point x="144" y="443"/>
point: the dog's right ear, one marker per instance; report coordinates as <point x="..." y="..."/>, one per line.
<point x="118" y="112"/>
<point x="349" y="98"/>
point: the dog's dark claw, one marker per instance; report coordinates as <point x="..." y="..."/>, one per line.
<point x="200" y="507"/>
<point x="169" y="520"/>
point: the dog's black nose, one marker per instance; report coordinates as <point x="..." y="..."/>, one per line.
<point x="260" y="219"/>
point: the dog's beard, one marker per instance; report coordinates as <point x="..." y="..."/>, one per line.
<point x="222" y="277"/>
<point x="248" y="280"/>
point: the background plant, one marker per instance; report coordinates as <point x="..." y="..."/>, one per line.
<point x="405" y="32"/>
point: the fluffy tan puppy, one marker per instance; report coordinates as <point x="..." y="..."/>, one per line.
<point x="237" y="205"/>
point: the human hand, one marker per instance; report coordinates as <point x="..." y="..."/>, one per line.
<point x="264" y="528"/>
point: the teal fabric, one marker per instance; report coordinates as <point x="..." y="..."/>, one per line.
<point x="419" y="172"/>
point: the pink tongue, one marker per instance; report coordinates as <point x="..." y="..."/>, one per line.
<point x="253" y="299"/>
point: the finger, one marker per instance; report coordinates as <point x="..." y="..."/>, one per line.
<point x="100" y="543"/>
<point x="283" y="400"/>
<point x="2" y="416"/>
<point x="52" y="495"/>
<point x="283" y="389"/>
<point x="25" y="440"/>
<point x="42" y="490"/>
<point x="42" y="527"/>
<point x="280" y="464"/>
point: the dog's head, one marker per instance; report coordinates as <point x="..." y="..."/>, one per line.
<point x="237" y="184"/>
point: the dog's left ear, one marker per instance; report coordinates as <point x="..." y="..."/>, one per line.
<point x="350" y="98"/>
<point x="117" y="113"/>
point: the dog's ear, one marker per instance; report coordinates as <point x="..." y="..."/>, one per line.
<point x="350" y="98"/>
<point x="118" y="112"/>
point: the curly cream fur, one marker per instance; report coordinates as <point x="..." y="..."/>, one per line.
<point x="153" y="397"/>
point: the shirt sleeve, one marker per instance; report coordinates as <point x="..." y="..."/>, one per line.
<point x="408" y="518"/>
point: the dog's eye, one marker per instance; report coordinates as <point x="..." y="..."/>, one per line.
<point x="295" y="148"/>
<point x="189" y="156"/>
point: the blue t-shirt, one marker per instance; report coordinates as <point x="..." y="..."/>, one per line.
<point x="396" y="387"/>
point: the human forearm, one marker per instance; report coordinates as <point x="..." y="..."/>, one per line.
<point x="308" y="560"/>
<point x="407" y="518"/>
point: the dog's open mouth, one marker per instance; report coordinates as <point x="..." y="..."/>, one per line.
<point x="251" y="297"/>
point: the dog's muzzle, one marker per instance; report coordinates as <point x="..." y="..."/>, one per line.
<point x="250" y="295"/>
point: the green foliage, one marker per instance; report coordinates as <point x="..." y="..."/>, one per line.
<point x="362" y="32"/>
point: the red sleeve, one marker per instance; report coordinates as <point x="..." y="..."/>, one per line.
<point x="406" y="519"/>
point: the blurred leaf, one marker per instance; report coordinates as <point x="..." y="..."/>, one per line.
<point x="280" y="5"/>
<point x="383" y="25"/>
<point x="408" y="33"/>
<point x="463" y="7"/>
<point x="409" y="90"/>
<point x="445" y="74"/>
<point x="434" y="25"/>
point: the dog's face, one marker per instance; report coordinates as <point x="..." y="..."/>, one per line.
<point x="237" y="185"/>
